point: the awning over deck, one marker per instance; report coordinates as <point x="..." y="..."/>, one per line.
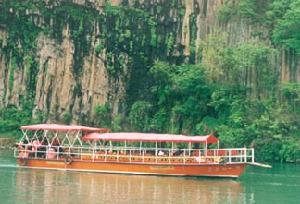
<point x="149" y="137"/>
<point x="64" y="128"/>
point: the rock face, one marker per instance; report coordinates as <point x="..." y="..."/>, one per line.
<point x="60" y="91"/>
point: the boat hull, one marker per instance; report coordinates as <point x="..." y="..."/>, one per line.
<point x="212" y="170"/>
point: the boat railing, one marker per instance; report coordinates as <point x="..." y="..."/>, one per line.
<point x="136" y="154"/>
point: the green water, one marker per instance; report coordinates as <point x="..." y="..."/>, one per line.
<point x="281" y="184"/>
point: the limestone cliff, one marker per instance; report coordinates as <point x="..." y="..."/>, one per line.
<point x="70" y="77"/>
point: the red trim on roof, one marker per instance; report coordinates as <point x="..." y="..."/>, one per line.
<point x="64" y="128"/>
<point x="149" y="137"/>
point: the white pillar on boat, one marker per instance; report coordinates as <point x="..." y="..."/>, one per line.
<point x="245" y="154"/>
<point x="110" y="145"/>
<point x="140" y="147"/>
<point x="93" y="156"/>
<point x="156" y="148"/>
<point x="125" y="146"/>
<point x="218" y="144"/>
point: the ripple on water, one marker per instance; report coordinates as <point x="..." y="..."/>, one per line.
<point x="19" y="185"/>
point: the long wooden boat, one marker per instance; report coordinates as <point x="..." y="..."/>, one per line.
<point x="81" y="148"/>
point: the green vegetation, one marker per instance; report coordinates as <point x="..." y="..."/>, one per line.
<point x="102" y="117"/>
<point x="232" y="91"/>
<point x="279" y="17"/>
<point x="139" y="115"/>
<point x="11" y="118"/>
<point x="186" y="100"/>
<point x="66" y="118"/>
<point x="286" y="30"/>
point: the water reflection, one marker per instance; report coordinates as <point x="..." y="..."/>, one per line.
<point x="35" y="186"/>
<point x="281" y="184"/>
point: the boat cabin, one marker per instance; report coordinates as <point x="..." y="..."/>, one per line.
<point x="70" y="143"/>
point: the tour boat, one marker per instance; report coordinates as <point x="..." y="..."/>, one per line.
<point x="89" y="149"/>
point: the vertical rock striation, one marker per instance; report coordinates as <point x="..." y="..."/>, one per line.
<point x="59" y="90"/>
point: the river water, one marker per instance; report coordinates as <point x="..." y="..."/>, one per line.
<point x="281" y="184"/>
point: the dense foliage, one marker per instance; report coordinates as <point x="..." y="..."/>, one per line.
<point x="166" y="90"/>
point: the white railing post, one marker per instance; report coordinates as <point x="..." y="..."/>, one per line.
<point x="57" y="153"/>
<point x="199" y="156"/>
<point x="253" y="155"/>
<point x="93" y="154"/>
<point x="118" y="155"/>
<point x="140" y="148"/>
<point x="143" y="156"/>
<point x="241" y="155"/>
<point x="169" y="156"/>
<point x="229" y="155"/>
<point x="156" y="149"/>
<point x="184" y="156"/>
<point x="245" y="155"/>
<point x="68" y="152"/>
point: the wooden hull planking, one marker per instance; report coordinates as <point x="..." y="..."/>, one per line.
<point x="212" y="170"/>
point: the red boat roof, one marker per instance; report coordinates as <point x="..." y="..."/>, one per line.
<point x="149" y="137"/>
<point x="63" y="128"/>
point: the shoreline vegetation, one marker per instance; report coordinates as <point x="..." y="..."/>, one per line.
<point x="7" y="143"/>
<point x="8" y="139"/>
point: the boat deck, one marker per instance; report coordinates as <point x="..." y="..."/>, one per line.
<point x="138" y="155"/>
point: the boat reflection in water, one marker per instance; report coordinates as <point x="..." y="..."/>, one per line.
<point x="37" y="186"/>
